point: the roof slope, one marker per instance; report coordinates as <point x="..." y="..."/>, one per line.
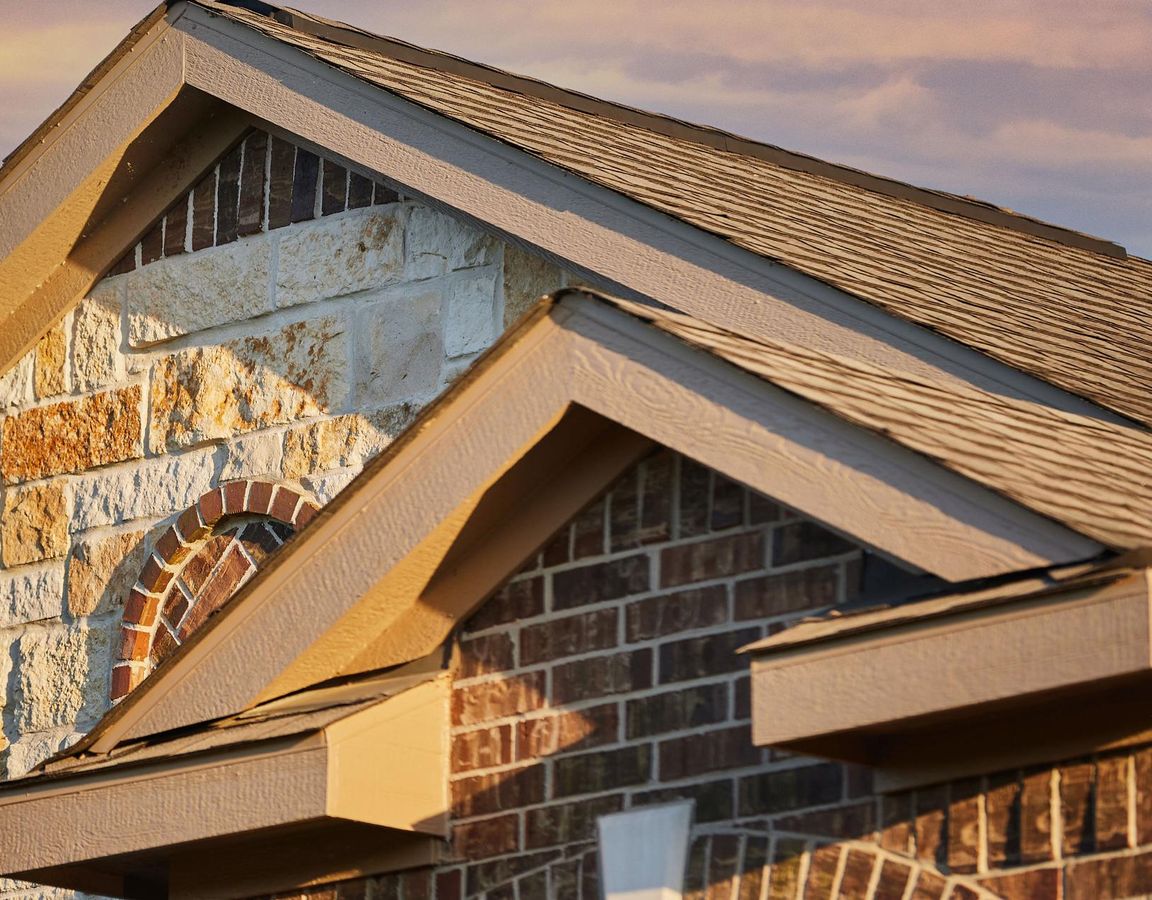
<point x="1067" y="308"/>
<point x="1092" y="476"/>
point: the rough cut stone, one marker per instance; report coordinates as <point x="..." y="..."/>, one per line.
<point x="256" y="454"/>
<point x="16" y="383"/>
<point x="527" y="278"/>
<point x="61" y="676"/>
<point x="31" y="595"/>
<point x="438" y="243"/>
<point x="29" y="752"/>
<point x="148" y="489"/>
<point x="34" y="525"/>
<point x="331" y="444"/>
<point x="103" y="570"/>
<point x="72" y="436"/>
<point x="470" y="312"/>
<point x="51" y="359"/>
<point x="338" y="256"/>
<point x="190" y="293"/>
<point x="96" y="357"/>
<point x="325" y="487"/>
<point x="399" y="348"/>
<point x="208" y="393"/>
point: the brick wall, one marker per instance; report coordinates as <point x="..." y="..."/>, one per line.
<point x="282" y="322"/>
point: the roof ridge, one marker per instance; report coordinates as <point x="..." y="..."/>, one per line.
<point x="347" y="35"/>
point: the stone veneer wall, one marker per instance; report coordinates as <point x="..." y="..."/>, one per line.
<point x="283" y="321"/>
<point x="604" y="676"/>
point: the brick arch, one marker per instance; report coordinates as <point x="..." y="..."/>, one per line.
<point x="197" y="564"/>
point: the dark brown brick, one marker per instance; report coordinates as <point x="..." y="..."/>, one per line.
<point x="567" y="823"/>
<point x="682" y="611"/>
<point x="801" y="541"/>
<point x="535" y="884"/>
<point x="253" y="180"/>
<point x="1142" y="772"/>
<point x="710" y="751"/>
<point x="856" y="820"/>
<point x="482" y="749"/>
<point x="164" y="644"/>
<point x="450" y="885"/>
<point x="695" y="491"/>
<point x="283" y="168"/>
<point x="140" y="608"/>
<point x="895" y="822"/>
<point x="893" y="881"/>
<point x="1036" y="817"/>
<point x="789" y="789"/>
<point x="1112" y="803"/>
<point x="335" y="188"/>
<point x="196" y="571"/>
<point x="1109" y="879"/>
<point x="484" y="876"/>
<point x="742" y="698"/>
<point x="624" y="512"/>
<point x="723" y="865"/>
<point x="121" y="681"/>
<point x="787" y="593"/>
<point x="785" y="874"/>
<point x="761" y="510"/>
<point x="487" y="838"/>
<point x="508" y="696"/>
<point x="481" y="795"/>
<point x="558" y="638"/>
<point x="677" y="710"/>
<point x="567" y="731"/>
<point x="1076" y="784"/>
<point x="204" y="213"/>
<point x="857" y="875"/>
<point x="260" y="541"/>
<point x="176" y="228"/>
<point x="727" y="503"/>
<point x="1002" y="813"/>
<point x="152" y="244"/>
<point x="715" y="558"/>
<point x="486" y="654"/>
<point x="1038" y="884"/>
<point x="416" y="885"/>
<point x="228" y="197"/>
<point x="304" y="185"/>
<point x="600" y="581"/>
<point x="656" y="493"/>
<point x="601" y="770"/>
<point x="559" y="549"/>
<point x="964" y="826"/>
<point x="929" y="887"/>
<point x="381" y="194"/>
<point x="698" y="657"/>
<point x="517" y="600"/>
<point x="601" y="676"/>
<point x="714" y="799"/>
<point x="822" y="872"/>
<point x="565" y="880"/>
<point x="588" y="534"/>
<point x="931" y="824"/>
<point x="126" y="263"/>
<point x="224" y="581"/>
<point x="752" y="870"/>
<point x="359" y="191"/>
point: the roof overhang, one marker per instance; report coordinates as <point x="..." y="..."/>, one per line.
<point x="330" y="784"/>
<point x="1045" y="667"/>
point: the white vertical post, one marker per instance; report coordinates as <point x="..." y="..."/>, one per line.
<point x="644" y="851"/>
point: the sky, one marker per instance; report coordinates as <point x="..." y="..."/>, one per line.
<point x="1043" y="106"/>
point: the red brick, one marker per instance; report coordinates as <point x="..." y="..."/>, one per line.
<point x="723" y="866"/>
<point x="857" y="875"/>
<point x="234" y="493"/>
<point x="559" y="638"/>
<point x="359" y="191"/>
<point x="169" y="547"/>
<point x="224" y="581"/>
<point x="259" y="497"/>
<point x="567" y="731"/>
<point x="335" y="188"/>
<point x="716" y="558"/>
<point x="670" y="613"/>
<point x="260" y="541"/>
<point x="1038" y="884"/>
<point x="204" y="213"/>
<point x="175" y="607"/>
<point x="822" y="872"/>
<point x="699" y="657"/>
<point x="164" y="644"/>
<point x="250" y="217"/>
<point x="522" y="599"/>
<point x="787" y="593"/>
<point x="893" y="881"/>
<point x="714" y="799"/>
<point x="283" y="167"/>
<point x="481" y="795"/>
<point x="928" y="887"/>
<point x="305" y="513"/>
<point x="154" y="578"/>
<point x="486" y="655"/>
<point x="567" y="823"/>
<point x="122" y="681"/>
<point x="601" y="770"/>
<point x="677" y="710"/>
<point x="134" y="644"/>
<point x="1002" y="814"/>
<point x="176" y="228"/>
<point x="1076" y="783"/>
<point x="196" y="571"/>
<point x="284" y="504"/>
<point x="1036" y="817"/>
<point x="190" y="527"/>
<point x="497" y="699"/>
<point x="930" y="823"/>
<point x="482" y="749"/>
<point x="304" y="185"/>
<point x="228" y="197"/>
<point x="963" y="892"/>
<point x="140" y="609"/>
<point x="710" y="751"/>
<point x="126" y="263"/>
<point x="602" y="676"/>
<point x="211" y="506"/>
<point x="1109" y="879"/>
<point x="1112" y="803"/>
<point x="415" y="885"/>
<point x="488" y="837"/>
<point x="964" y="827"/>
<point x="789" y="789"/>
<point x="600" y="581"/>
<point x="804" y="540"/>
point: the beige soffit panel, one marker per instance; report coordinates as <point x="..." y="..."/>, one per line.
<point x="584" y="224"/>
<point x="146" y="815"/>
<point x="390" y="556"/>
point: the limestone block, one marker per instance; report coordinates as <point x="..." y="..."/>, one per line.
<point x="61" y="676"/>
<point x="331" y="444"/>
<point x="184" y="294"/>
<point x="16" y="383"/>
<point x="339" y="255"/>
<point x="32" y="749"/>
<point x="96" y="358"/>
<point x="147" y="489"/>
<point x="399" y="348"/>
<point x="527" y="278"/>
<point x="31" y="594"/>
<point x="34" y="525"/>
<point x="438" y="243"/>
<point x="252" y="456"/>
<point x="102" y="570"/>
<point x="25" y="890"/>
<point x="71" y="436"/>
<point x="209" y="393"/>
<point x="51" y="362"/>
<point x="470" y="311"/>
<point x="325" y="487"/>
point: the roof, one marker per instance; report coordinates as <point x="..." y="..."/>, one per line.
<point x="1065" y="307"/>
<point x="1094" y="477"/>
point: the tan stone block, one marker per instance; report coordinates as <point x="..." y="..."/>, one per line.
<point x="51" y="358"/>
<point x="208" y="393"/>
<point x="400" y="347"/>
<point x="438" y="243"/>
<point x="331" y="444"/>
<point x="61" y="677"/>
<point x="103" y="570"/>
<point x="96" y="336"/>
<point x="35" y="523"/>
<point x="72" y="436"/>
<point x="527" y="278"/>
<point x="16" y="383"/>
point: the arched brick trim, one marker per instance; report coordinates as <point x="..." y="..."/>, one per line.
<point x="197" y="564"/>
